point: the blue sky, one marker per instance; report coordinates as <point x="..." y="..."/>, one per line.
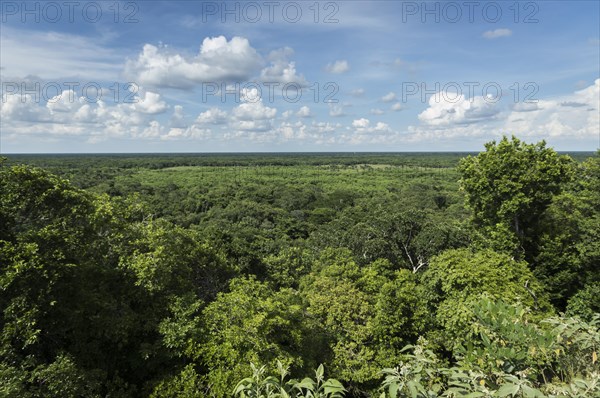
<point x="198" y="76"/>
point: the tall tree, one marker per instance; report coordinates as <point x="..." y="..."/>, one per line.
<point x="510" y="185"/>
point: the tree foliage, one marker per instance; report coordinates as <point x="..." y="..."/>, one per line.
<point x="512" y="183"/>
<point x="220" y="275"/>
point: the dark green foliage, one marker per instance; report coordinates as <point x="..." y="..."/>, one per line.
<point x="586" y="302"/>
<point x="85" y="284"/>
<point x="250" y="323"/>
<point x="569" y="255"/>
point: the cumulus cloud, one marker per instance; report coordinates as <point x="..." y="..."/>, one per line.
<point x="219" y="60"/>
<point x="338" y="67"/>
<point x="252" y="116"/>
<point x="575" y="116"/>
<point x="17" y="108"/>
<point x="68" y="114"/>
<point x="377" y="111"/>
<point x="396" y="107"/>
<point x="151" y="104"/>
<point x="359" y="92"/>
<point x="191" y="132"/>
<point x="317" y="132"/>
<point x="253" y="111"/>
<point x="361" y="123"/>
<point x="212" y="116"/>
<point x="580" y="119"/>
<point x="389" y="97"/>
<point x="496" y="33"/>
<point x="362" y="131"/>
<point x="281" y="69"/>
<point x="449" y="108"/>
<point x="304" y="112"/>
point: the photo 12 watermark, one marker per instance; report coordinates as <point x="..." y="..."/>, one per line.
<point x="470" y="11"/>
<point x="452" y="92"/>
<point x="69" y="11"/>
<point x="71" y="92"/>
<point x="292" y="12"/>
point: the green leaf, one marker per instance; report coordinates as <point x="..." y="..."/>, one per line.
<point x="320" y="371"/>
<point x="393" y="390"/>
<point x="529" y="392"/>
<point x="507" y="389"/>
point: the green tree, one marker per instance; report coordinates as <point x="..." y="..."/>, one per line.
<point x="65" y="304"/>
<point x="249" y="324"/>
<point x="401" y="315"/>
<point x="586" y="302"/>
<point x="511" y="184"/>
<point x="569" y="252"/>
<point x="95" y="298"/>
<point x="456" y="279"/>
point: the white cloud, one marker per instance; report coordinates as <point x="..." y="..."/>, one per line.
<point x="496" y="33"/>
<point x="389" y="97"/>
<point x="153" y="130"/>
<point x="219" y="60"/>
<point x="377" y="111"/>
<point x="338" y="67"/>
<point x="397" y="107"/>
<point x="17" y="108"/>
<point x="212" y="116"/>
<point x="281" y="69"/>
<point x="250" y="94"/>
<point x="570" y="117"/>
<point x="573" y="116"/>
<point x="359" y="92"/>
<point x="67" y="114"/>
<point x="304" y="112"/>
<point x="449" y="108"/>
<point x="252" y="111"/>
<point x="362" y="131"/>
<point x="66" y="101"/>
<point x="150" y="103"/>
<point x="252" y="116"/>
<point x="192" y="132"/>
<point x="361" y="123"/>
<point x="382" y="127"/>
<point x="317" y="132"/>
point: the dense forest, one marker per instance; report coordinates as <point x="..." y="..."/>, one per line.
<point x="301" y="275"/>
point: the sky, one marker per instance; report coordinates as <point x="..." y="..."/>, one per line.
<point x="280" y="76"/>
